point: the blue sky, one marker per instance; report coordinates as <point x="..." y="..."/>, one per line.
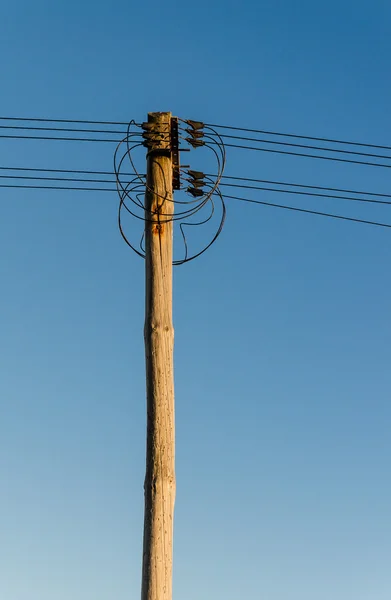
<point x="282" y="329"/>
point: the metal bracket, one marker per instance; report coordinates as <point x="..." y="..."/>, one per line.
<point x="176" y="179"/>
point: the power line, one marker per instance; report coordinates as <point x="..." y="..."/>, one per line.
<point x="225" y="177"/>
<point x="79" y="180"/>
<point x="311" y="212"/>
<point x="55" y="187"/>
<point x="233" y="185"/>
<point x="302" y="137"/>
<point x="60" y="171"/>
<point x="116" y="141"/>
<point x="41" y="120"/>
<point x="248" y="200"/>
<point x="302" y="154"/>
<point x="62" y="139"/>
<point x="293" y="145"/>
<point x="135" y="179"/>
<point x="219" y="126"/>
<point x="41" y="178"/>
<point x="311" y="194"/>
<point x="28" y="128"/>
<point x="285" y="152"/>
<point x="302" y="185"/>
<point x="109" y="131"/>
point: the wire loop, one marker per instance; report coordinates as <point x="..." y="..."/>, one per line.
<point x="202" y="196"/>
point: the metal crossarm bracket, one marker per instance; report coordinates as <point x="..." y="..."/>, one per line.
<point x="176" y="179"/>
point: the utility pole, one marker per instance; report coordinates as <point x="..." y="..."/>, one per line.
<point x="162" y="140"/>
<point x="159" y="486"/>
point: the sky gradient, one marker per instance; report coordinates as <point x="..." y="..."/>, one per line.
<point x="282" y="329"/>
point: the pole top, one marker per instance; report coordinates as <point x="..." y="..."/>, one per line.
<point x="159" y="116"/>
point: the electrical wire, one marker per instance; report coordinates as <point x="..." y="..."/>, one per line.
<point x="213" y="140"/>
<point x="29" y="128"/>
<point x="302" y="185"/>
<point x="248" y="200"/>
<point x="302" y="154"/>
<point x="216" y="126"/>
<point x="61" y="139"/>
<point x="190" y="207"/>
<point x="70" y="179"/>
<point x="311" y="194"/>
<point x="270" y="150"/>
<point x="311" y="212"/>
<point x="308" y="146"/>
<point x="213" y="176"/>
<point x="35" y="169"/>
<point x="233" y="185"/>
<point x="55" y="187"/>
<point x="223" y="135"/>
<point x="70" y="188"/>
<point x="81" y="121"/>
<point x="302" y="137"/>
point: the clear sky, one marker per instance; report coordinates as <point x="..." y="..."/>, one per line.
<point x="282" y="329"/>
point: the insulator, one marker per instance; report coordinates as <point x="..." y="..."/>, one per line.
<point x="196" y="174"/>
<point x="197" y="193"/>
<point x="195" y="143"/>
<point x="195" y="124"/>
<point x="198" y="183"/>
<point x="148" y="126"/>
<point x="195" y="134"/>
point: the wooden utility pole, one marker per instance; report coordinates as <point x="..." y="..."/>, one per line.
<point x="159" y="486"/>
